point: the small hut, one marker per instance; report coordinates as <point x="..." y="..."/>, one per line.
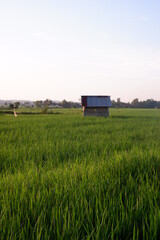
<point x="96" y="105"/>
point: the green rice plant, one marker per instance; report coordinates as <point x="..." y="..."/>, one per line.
<point x="68" y="177"/>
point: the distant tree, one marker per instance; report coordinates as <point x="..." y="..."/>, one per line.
<point x="135" y="102"/>
<point x="118" y="102"/>
<point x="11" y="105"/>
<point x="27" y="104"/>
<point x="150" y="103"/>
<point x="16" y="104"/>
<point x="39" y="103"/>
<point x="64" y="104"/>
<point x="158" y="104"/>
<point x="47" y="102"/>
<point x="70" y="104"/>
<point x="114" y="104"/>
<point x="76" y="105"/>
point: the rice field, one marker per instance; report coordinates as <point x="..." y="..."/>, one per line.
<point x="63" y="176"/>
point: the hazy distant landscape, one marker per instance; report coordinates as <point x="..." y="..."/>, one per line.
<point x="48" y="103"/>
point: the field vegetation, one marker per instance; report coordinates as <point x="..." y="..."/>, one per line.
<point x="63" y="176"/>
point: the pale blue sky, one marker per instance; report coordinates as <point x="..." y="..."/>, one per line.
<point x="65" y="49"/>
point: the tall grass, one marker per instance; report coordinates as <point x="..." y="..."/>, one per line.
<point x="67" y="177"/>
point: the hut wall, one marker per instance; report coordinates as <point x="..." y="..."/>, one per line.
<point x="95" y="112"/>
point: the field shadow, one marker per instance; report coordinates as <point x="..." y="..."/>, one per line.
<point x="132" y="117"/>
<point x="29" y="113"/>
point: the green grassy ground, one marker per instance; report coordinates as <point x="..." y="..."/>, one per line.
<point x="63" y="176"/>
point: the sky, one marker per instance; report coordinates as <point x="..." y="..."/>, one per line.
<point x="62" y="49"/>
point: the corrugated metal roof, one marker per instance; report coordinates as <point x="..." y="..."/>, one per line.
<point x="96" y="101"/>
<point x="95" y="96"/>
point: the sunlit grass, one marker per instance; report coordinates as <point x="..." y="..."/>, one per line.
<point x="68" y="177"/>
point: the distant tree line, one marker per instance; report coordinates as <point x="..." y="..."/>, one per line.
<point x="40" y="104"/>
<point x="51" y="104"/>
<point x="13" y="105"/>
<point x="149" y="103"/>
